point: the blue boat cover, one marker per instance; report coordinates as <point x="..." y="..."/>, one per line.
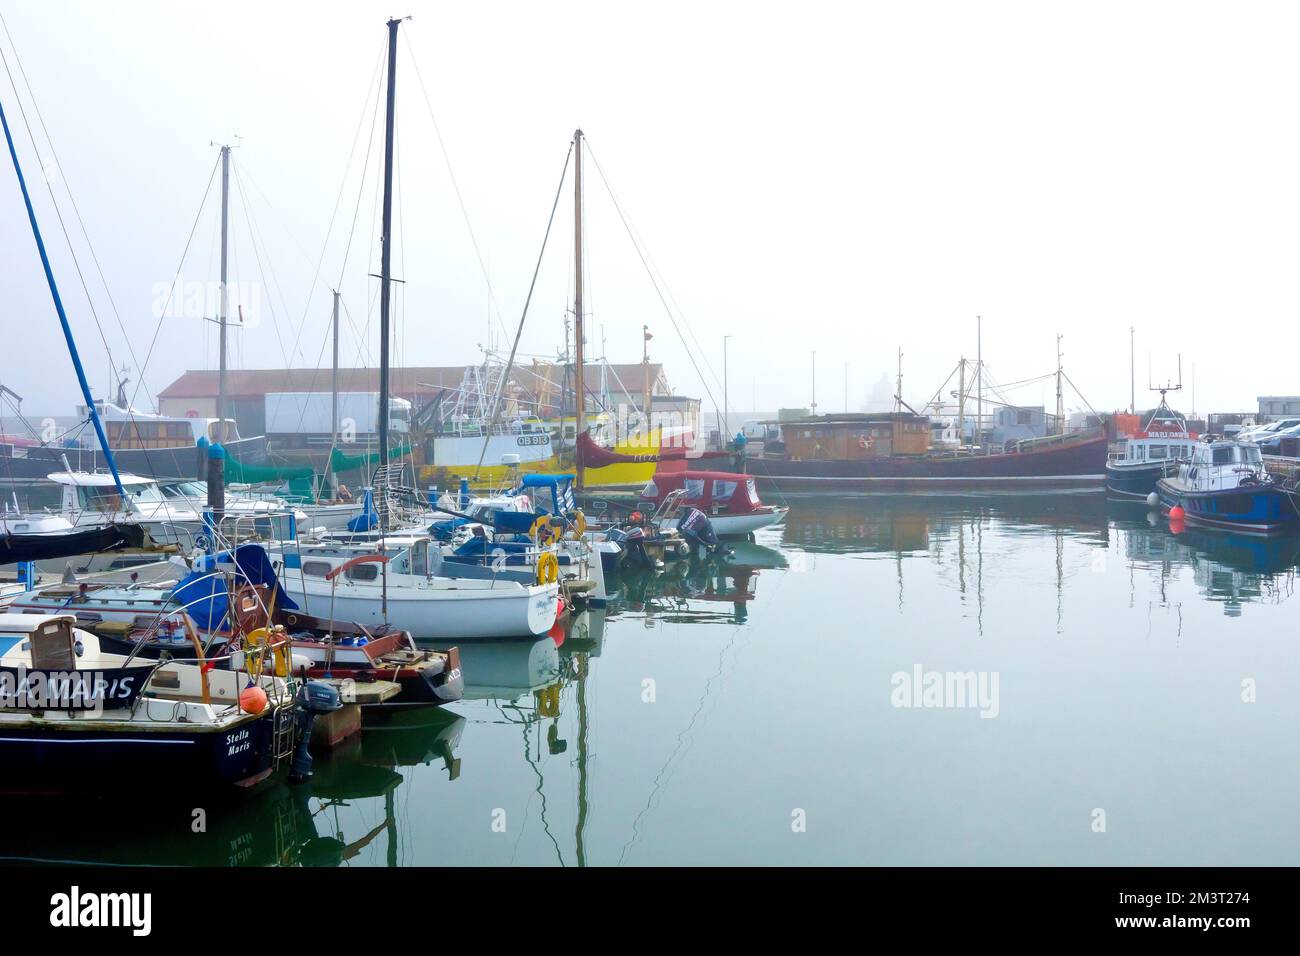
<point x="203" y="591"/>
<point x="368" y="520"/>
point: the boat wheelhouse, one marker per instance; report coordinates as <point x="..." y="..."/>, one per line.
<point x="1134" y="466"/>
<point x="1225" y="485"/>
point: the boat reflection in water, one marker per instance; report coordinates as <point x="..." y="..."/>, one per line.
<point x="698" y="590"/>
<point x="310" y="824"/>
<point x="900" y="524"/>
<point x="1232" y="569"/>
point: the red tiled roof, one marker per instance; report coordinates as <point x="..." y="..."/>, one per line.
<point x="416" y="381"/>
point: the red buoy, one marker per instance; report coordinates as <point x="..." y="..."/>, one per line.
<point x="252" y="700"/>
<point x="1176" y="513"/>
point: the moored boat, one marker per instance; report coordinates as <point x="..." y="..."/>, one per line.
<point x="730" y="501"/>
<point x="1225" y="485"/>
<point x="84" y="718"/>
<point x="1139" y="461"/>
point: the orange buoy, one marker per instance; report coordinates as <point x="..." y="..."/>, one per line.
<point x="1176" y="513"/>
<point x="253" y="700"/>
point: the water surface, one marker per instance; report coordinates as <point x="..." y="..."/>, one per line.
<point x="747" y="714"/>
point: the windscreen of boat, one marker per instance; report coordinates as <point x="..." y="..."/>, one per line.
<point x="1251" y="455"/>
<point x="1221" y="455"/>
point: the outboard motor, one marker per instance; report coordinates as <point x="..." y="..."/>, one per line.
<point x="694" y="525"/>
<point x="632" y="542"/>
<point x="314" y="698"/>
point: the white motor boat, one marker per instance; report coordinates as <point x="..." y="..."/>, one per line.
<point x="91" y="500"/>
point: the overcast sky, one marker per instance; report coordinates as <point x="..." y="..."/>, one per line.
<point x="846" y="178"/>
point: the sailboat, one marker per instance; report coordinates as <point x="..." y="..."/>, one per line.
<point x="389" y="579"/>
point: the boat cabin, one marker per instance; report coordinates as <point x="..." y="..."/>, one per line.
<point x="713" y="492"/>
<point x="96" y="492"/>
<point x="855" y="437"/>
<point x="1164" y="438"/>
<point x="1223" y="465"/>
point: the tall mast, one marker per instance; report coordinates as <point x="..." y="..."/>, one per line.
<point x="334" y="380"/>
<point x="63" y="317"/>
<point x="1132" y="376"/>
<point x="1060" y="409"/>
<point x="579" y="388"/>
<point x="224" y="306"/>
<point x="961" y="403"/>
<point x="979" y="379"/>
<point x="386" y="244"/>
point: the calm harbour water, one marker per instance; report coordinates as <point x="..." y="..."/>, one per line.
<point x="748" y="716"/>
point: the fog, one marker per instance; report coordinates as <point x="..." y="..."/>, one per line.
<point x="849" y="179"/>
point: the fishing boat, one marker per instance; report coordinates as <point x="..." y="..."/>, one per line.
<point x="73" y="715"/>
<point x="729" y="500"/>
<point x="1226" y="485"/>
<point x="1137" y="462"/>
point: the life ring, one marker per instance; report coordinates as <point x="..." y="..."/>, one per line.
<point x="548" y="568"/>
<point x="579" y="523"/>
<point x="543" y="532"/>
<point x="255" y="646"/>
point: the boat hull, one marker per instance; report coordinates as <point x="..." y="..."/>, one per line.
<point x="1248" y="509"/>
<point x="739" y="525"/>
<point x="482" y="615"/>
<point x="48" y="756"/>
<point x="1071" y="464"/>
<point x="1133" y="481"/>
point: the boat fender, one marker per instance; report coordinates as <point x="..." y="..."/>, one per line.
<point x="1153" y="499"/>
<point x="1176" y="513"/>
<point x="253" y="700"/>
<point x="579" y="524"/>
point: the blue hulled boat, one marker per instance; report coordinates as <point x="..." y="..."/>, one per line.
<point x="1225" y="485"/>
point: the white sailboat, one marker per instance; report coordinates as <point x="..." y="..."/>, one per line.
<point x="395" y="585"/>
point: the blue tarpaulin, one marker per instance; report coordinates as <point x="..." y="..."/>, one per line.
<point x="203" y="590"/>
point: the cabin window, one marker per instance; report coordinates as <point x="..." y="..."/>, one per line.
<point x="1158" y="451"/>
<point x="724" y="489"/>
<point x="316" y="569"/>
<point x="753" y="491"/>
<point x="694" y="488"/>
<point x="363" y="572"/>
<point x="420" y="557"/>
<point x="1221" y="455"/>
<point x="650" y="491"/>
<point x="104" y="498"/>
<point x="1022" y="418"/>
<point x="1252" y="455"/>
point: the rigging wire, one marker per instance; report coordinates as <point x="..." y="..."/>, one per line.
<point x="496" y="401"/>
<point x="446" y="158"/>
<point x="73" y="202"/>
<point x="654" y="282"/>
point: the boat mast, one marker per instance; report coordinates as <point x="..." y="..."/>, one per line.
<point x="223" y="292"/>
<point x="1060" y="410"/>
<point x="961" y="404"/>
<point x="979" y="379"/>
<point x="63" y="317"/>
<point x="386" y="245"/>
<point x="579" y="388"/>
<point x="334" y="389"/>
